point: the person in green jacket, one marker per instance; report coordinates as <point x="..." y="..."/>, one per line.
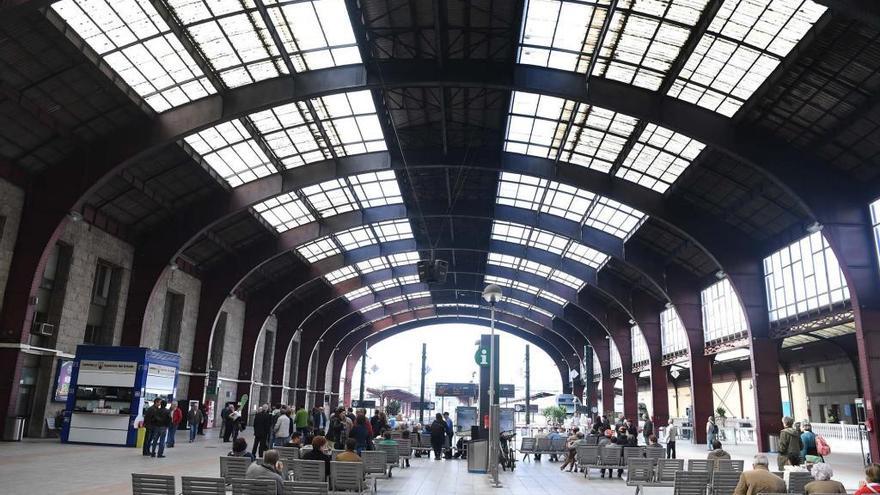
<point x="302" y="419"/>
<point x="789" y="442"/>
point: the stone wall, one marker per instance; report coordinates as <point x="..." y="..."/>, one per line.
<point x="11" y="203"/>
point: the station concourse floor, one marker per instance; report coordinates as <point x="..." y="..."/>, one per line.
<point x="36" y="467"/>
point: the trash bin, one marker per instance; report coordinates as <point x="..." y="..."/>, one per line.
<point x="478" y="456"/>
<point x="774" y="443"/>
<point x="14" y="429"/>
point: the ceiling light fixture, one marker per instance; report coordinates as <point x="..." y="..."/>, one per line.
<point x="814" y="227"/>
<point x="720" y="274"/>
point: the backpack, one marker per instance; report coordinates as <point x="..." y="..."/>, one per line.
<point x="822" y="446"/>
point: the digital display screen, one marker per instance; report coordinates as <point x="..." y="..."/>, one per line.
<point x="62" y="381"/>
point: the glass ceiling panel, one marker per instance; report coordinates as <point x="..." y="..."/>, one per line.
<point x="231" y="152"/>
<point x="137" y="44"/>
<point x="541" y="270"/>
<point x="376" y="188"/>
<point x="331" y="197"/>
<point x="743" y="45"/>
<point x="529" y="289"/>
<point x="597" y="137"/>
<point x="318" y="249"/>
<point x="643" y="39"/>
<point x="673" y="336"/>
<point x="290" y="134"/>
<point x="659" y="157"/>
<point x="533" y="237"/>
<point x="316" y="34"/>
<point x="638" y="345"/>
<point x="351" y="239"/>
<point x="536" y="124"/>
<point x="357" y="293"/>
<point x="350" y="122"/>
<point x="835" y="331"/>
<point x="723" y="315"/>
<point x="347" y="194"/>
<point x="341" y="275"/>
<point x="284" y="212"/>
<point x="615" y="356"/>
<point x="579" y="205"/>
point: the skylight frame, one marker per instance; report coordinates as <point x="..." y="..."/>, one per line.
<point x="723" y="314"/>
<point x="597" y="137"/>
<point x="319" y="249"/>
<point x="231" y="152"/>
<point x="356" y="237"/>
<point x="615" y="363"/>
<point x="374" y="189"/>
<point x="331" y="198"/>
<point x="534" y="237"/>
<point x="341" y="274"/>
<point x="658" y="157"/>
<point x="140" y="43"/>
<point x="357" y="293"/>
<point x="739" y="51"/>
<point x="350" y="122"/>
<point x="570" y="43"/>
<point x="571" y="203"/>
<point x="393" y="230"/>
<point x="673" y="336"/>
<point x="536" y="124"/>
<point x="290" y="132"/>
<point x="638" y="346"/>
<point x="284" y="212"/>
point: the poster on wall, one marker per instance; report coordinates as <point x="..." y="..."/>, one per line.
<point x="62" y="380"/>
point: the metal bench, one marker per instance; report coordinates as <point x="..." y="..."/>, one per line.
<point x="233" y="467"/>
<point x="724" y="482"/>
<point x="690" y="483"/>
<point x="391" y="457"/>
<point x="288" y="454"/>
<point x="306" y="488"/>
<point x="666" y="469"/>
<point x="639" y="473"/>
<point x="374" y="466"/>
<point x="152" y="484"/>
<point x="704" y="465"/>
<point x="798" y="480"/>
<point x="655" y="453"/>
<point x="587" y="457"/>
<point x="193" y="485"/>
<point x="253" y="487"/>
<point x="527" y="447"/>
<point x="347" y="476"/>
<point x="404" y="450"/>
<point x="611" y="458"/>
<point x="729" y="465"/>
<point x="542" y="445"/>
<point x="306" y="470"/>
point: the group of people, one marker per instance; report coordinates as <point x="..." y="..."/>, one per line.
<point x="161" y="421"/>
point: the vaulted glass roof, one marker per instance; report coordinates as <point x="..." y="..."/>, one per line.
<point x="133" y="39"/>
<point x="745" y="42"/>
<point x="347" y="240"/>
<point x="571" y="203"/>
<point x="371" y="265"/>
<point x="530" y="289"/>
<point x="336" y="196"/>
<point x="537" y="238"/>
<point x="541" y="270"/>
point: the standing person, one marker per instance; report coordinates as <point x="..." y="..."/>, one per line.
<point x="711" y="432"/>
<point x="808" y="442"/>
<point x="176" y="418"/>
<point x="282" y="427"/>
<point x="789" y="442"/>
<point x="438" y="435"/>
<point x="161" y="422"/>
<point x="319" y="419"/>
<point x="149" y="416"/>
<point x="262" y="428"/>
<point x="450" y="433"/>
<point x="336" y="430"/>
<point x="204" y="422"/>
<point x="194" y="419"/>
<point x="360" y="434"/>
<point x="671" y="437"/>
<point x="237" y="422"/>
<point x="647" y="428"/>
<point x="301" y="419"/>
<point x="226" y="422"/>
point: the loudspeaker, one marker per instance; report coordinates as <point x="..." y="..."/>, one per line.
<point x="432" y="271"/>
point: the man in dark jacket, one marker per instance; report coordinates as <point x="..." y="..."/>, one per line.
<point x="148" y="424"/>
<point x="789" y="442"/>
<point x="319" y="419"/>
<point x="161" y="422"/>
<point x="227" y="422"/>
<point x="647" y="428"/>
<point x="263" y="422"/>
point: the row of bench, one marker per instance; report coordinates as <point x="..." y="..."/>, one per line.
<point x="642" y="474"/>
<point x="158" y="484"/>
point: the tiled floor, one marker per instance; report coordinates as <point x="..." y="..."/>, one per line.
<point x="36" y="467"/>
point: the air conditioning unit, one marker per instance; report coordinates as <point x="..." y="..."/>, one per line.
<point x="432" y="271"/>
<point x="44" y="329"/>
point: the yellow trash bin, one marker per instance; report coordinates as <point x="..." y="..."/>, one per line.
<point x="141" y="438"/>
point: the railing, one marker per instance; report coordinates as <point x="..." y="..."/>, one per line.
<point x="838" y="431"/>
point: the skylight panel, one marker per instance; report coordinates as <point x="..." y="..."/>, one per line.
<point x="137" y="44"/>
<point x="597" y="137"/>
<point x="401" y="259"/>
<point x="316" y="34"/>
<point x="673" y="337"/>
<point x="384" y="284"/>
<point x="723" y="315"/>
<point x="233" y="38"/>
<point x="351" y="122"/>
<point x="419" y="295"/>
<point x="552" y="297"/>
<point x="395" y="299"/>
<point x="340" y="275"/>
<point x="561" y="35"/>
<point x="586" y="255"/>
<point x="371" y="265"/>
<point x="393" y="230"/>
<point x="357" y="293"/>
<point x="230" y="152"/>
<point x="536" y="124"/>
<point x="370" y="307"/>
<point x="614" y="361"/>
<point x="522" y="286"/>
<point x="355" y="238"/>
<point x="318" y="249"/>
<point x="518" y="264"/>
<point x="284" y="212"/>
<point x="331" y="197"/>
<point x="567" y="279"/>
<point x="642" y="43"/>
<point x="290" y="134"/>
<point x="659" y="157"/>
<point x="614" y="218"/>
<point x="541" y="311"/>
<point x="745" y="42"/>
<point x="568" y="202"/>
<point x="376" y="188"/>
<point x="638" y="346"/>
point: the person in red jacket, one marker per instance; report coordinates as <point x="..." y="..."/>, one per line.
<point x="176" y="418"/>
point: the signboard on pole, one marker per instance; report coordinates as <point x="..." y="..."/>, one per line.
<point x="506" y="391"/>
<point x="364" y="404"/>
<point x="422" y="406"/>
<point x="521" y="408"/>
<point x="443" y="389"/>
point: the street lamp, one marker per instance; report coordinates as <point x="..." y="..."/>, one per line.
<point x="492" y="294"/>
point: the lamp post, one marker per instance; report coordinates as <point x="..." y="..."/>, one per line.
<point x="492" y="294"/>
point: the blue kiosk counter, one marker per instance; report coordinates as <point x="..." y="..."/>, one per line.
<point x="109" y="388"/>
